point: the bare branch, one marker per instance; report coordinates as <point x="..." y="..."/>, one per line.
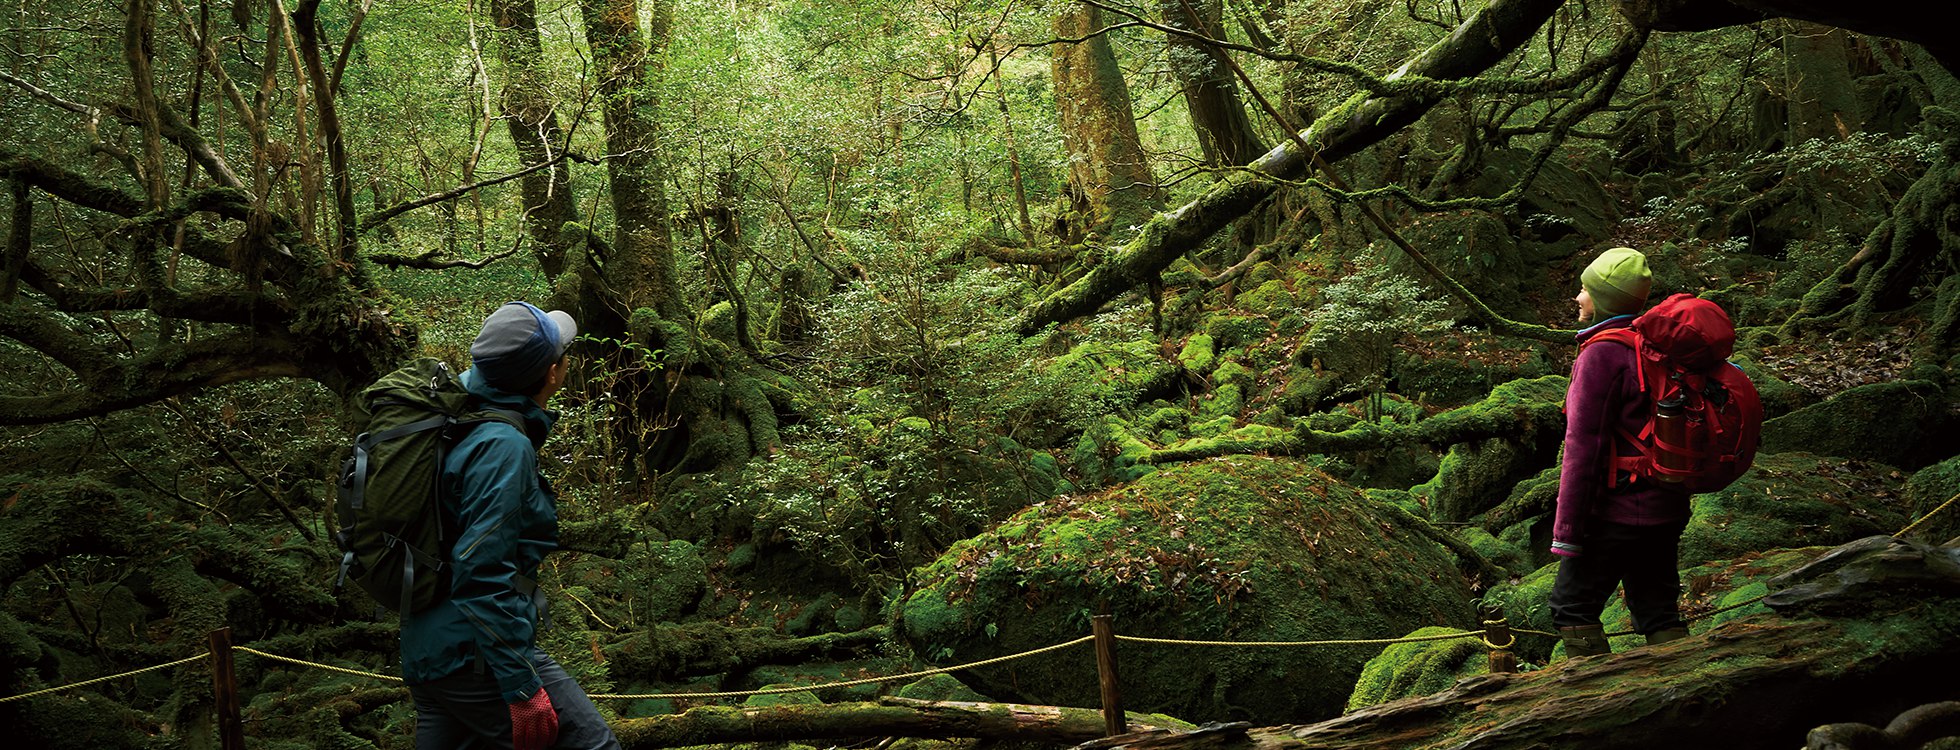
<point x="48" y="96"/>
<point x="433" y="260"/>
<point x="381" y="217"/>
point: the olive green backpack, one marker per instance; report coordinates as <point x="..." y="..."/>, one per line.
<point x="394" y="536"/>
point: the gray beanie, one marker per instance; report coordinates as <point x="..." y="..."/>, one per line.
<point x="519" y="342"/>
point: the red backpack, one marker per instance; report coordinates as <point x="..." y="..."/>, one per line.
<point x="1707" y="418"/>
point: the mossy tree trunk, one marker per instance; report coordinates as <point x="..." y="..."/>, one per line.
<point x="1211" y="94"/>
<point x="1109" y="176"/>
<point x="1821" y="95"/>
<point x="531" y="115"/>
<point x="693" y="395"/>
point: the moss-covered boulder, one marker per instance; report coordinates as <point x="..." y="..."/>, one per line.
<point x="1795" y="500"/>
<point x="1409" y="669"/>
<point x="1240" y="549"/>
<point x="1901" y="422"/>
<point x="1108" y="453"/>
<point x="1477" y="475"/>
<point x="1928" y="492"/>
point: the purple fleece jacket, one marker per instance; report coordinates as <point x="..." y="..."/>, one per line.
<point x="1605" y="399"/>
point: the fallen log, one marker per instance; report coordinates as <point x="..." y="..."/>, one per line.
<point x="671" y="652"/>
<point x="890" y="717"/>
<point x="1859" y="635"/>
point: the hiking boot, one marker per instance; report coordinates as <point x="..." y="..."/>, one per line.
<point x="1585" y="640"/>
<point x="1667" y="635"/>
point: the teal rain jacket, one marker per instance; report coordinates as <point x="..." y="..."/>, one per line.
<point x="508" y="519"/>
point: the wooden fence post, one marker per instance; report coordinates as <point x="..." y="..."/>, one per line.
<point x="1498" y="635"/>
<point x="224" y="682"/>
<point x="1114" y="722"/>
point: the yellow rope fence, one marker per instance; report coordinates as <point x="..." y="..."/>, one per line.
<point x="1348" y="642"/>
<point x="853" y="683"/>
<point x="316" y="665"/>
<point x="84" y="683"/>
<point x="784" y="690"/>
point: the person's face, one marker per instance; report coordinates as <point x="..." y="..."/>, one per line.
<point x="1585" y="305"/>
<point x="554" y="379"/>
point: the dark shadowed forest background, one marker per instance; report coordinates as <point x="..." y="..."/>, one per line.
<point x="916" y="333"/>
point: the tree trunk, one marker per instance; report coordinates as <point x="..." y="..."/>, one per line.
<point x="1480" y="42"/>
<point x="1109" y="175"/>
<point x="891" y="718"/>
<point x="1822" y="98"/>
<point x="640" y="271"/>
<point x="1759" y="682"/>
<point x="531" y="114"/>
<point x="1211" y="94"/>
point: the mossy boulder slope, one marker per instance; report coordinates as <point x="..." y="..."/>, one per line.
<point x="1235" y="549"/>
<point x="1795" y="500"/>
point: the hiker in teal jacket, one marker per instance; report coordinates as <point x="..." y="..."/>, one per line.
<point x="471" y="661"/>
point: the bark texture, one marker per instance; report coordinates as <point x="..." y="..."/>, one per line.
<point x="890" y="718"/>
<point x="1211" y="93"/>
<point x="1108" y="172"/>
<point x="531" y="114"/>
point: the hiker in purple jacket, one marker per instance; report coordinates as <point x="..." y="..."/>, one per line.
<point x="1608" y="529"/>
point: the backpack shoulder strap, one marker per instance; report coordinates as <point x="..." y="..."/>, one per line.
<point x="1623" y="336"/>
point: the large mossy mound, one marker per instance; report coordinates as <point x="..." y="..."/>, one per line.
<point x="1238" y="549"/>
<point x="1795" y="500"/>
<point x="1901" y="422"/>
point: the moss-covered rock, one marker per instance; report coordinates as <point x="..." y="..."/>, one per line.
<point x="1502" y="553"/>
<point x="803" y="698"/>
<point x="1927" y="491"/>
<point x="1795" y="500"/>
<point x="1477" y="475"/>
<point x="1236" y="330"/>
<point x="1129" y="371"/>
<point x="1454" y="368"/>
<point x="940" y="687"/>
<point x="1243" y="548"/>
<point x="1107" y="453"/>
<point x="1198" y="355"/>
<point x="1902" y="422"/>
<point x="1409" y="669"/>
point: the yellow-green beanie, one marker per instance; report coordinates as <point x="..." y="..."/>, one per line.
<point x="1618" y="281"/>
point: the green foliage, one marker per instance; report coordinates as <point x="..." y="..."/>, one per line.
<point x="1362" y="318"/>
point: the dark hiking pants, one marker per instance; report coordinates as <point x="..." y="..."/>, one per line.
<point x="466" y="711"/>
<point x="1641" y="557"/>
